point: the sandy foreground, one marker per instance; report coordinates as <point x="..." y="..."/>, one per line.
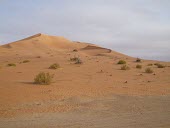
<point x="95" y="94"/>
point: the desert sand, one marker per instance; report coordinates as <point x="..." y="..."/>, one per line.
<point x="94" y="94"/>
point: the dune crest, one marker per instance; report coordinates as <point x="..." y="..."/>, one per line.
<point x="42" y="43"/>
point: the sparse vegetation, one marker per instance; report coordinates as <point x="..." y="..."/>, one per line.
<point x="54" y="66"/>
<point x="138" y="60"/>
<point x="25" y="61"/>
<point x="75" y="50"/>
<point x="125" y="67"/>
<point x="43" y="78"/>
<point x="78" y="61"/>
<point x="11" y="64"/>
<point x="138" y="66"/>
<point x="150" y="64"/>
<point x="148" y="70"/>
<point x="156" y="64"/>
<point x="160" y="66"/>
<point x="121" y="62"/>
<point x="74" y="59"/>
<point x="38" y="57"/>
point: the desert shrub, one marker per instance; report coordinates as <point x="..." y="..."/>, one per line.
<point x="138" y="60"/>
<point x="43" y="78"/>
<point x="78" y="61"/>
<point x="121" y="62"/>
<point x="138" y="66"/>
<point x="150" y="64"/>
<point x="38" y="57"/>
<point x="11" y="64"/>
<point x="125" y="67"/>
<point x="74" y="59"/>
<point x="75" y="50"/>
<point x="148" y="70"/>
<point x="54" y="66"/>
<point x="25" y="61"/>
<point x="160" y="66"/>
<point x="156" y="64"/>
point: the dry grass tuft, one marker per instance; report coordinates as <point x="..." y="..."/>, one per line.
<point x="25" y="61"/>
<point x="121" y="62"/>
<point x="125" y="67"/>
<point x="11" y="64"/>
<point x="43" y="78"/>
<point x="138" y="66"/>
<point x="54" y="66"/>
<point x="148" y="70"/>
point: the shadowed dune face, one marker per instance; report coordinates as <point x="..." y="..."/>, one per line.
<point x="95" y="86"/>
<point x="95" y="50"/>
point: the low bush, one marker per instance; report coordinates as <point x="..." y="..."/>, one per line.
<point x="150" y="64"/>
<point x="125" y="67"/>
<point x="138" y="66"/>
<point x="148" y="70"/>
<point x="75" y="50"/>
<point x="11" y="64"/>
<point x="78" y="61"/>
<point x="160" y="66"/>
<point x="138" y="60"/>
<point x="43" y="78"/>
<point x="121" y="62"/>
<point x="25" y="61"/>
<point x="74" y="59"/>
<point x="54" y="66"/>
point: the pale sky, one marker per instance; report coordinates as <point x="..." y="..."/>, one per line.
<point x="139" y="28"/>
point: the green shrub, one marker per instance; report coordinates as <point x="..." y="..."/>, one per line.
<point x="54" y="66"/>
<point x="148" y="70"/>
<point x="11" y="64"/>
<point x="160" y="66"/>
<point x="138" y="60"/>
<point x="125" y="67"/>
<point x="43" y="78"/>
<point x="121" y="62"/>
<point x="25" y="61"/>
<point x="138" y="66"/>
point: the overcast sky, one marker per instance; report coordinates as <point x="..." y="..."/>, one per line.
<point x="140" y="28"/>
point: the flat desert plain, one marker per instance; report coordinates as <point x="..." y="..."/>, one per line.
<point x="93" y="94"/>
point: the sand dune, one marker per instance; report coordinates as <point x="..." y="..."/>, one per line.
<point x="42" y="41"/>
<point x="96" y="89"/>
